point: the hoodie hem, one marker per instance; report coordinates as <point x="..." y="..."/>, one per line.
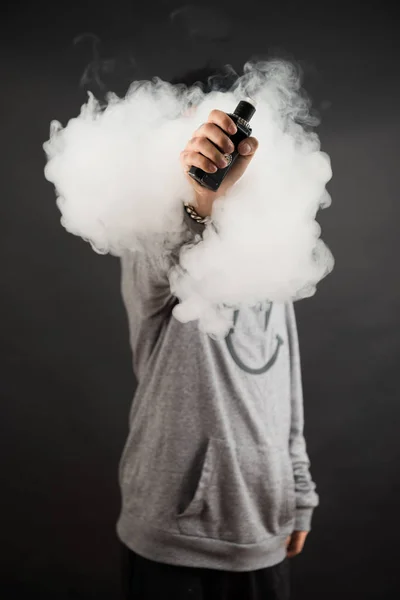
<point x="201" y="552"/>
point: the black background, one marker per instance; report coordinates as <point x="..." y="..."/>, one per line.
<point x="66" y="380"/>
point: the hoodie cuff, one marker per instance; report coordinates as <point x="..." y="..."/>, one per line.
<point x="303" y="519"/>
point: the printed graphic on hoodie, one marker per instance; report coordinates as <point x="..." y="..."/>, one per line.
<point x="253" y="358"/>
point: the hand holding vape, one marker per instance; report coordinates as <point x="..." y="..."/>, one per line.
<point x="241" y="116"/>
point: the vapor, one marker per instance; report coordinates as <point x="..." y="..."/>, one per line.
<point x="120" y="186"/>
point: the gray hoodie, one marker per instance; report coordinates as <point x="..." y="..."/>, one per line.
<point x="215" y="471"/>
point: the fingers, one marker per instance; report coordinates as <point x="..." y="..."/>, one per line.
<point x="295" y="543"/>
<point x="195" y="159"/>
<point x="216" y="135"/>
<point x="206" y="147"/>
<point x="212" y="138"/>
<point x="293" y="550"/>
<point x="222" y="120"/>
<point x="199" y="147"/>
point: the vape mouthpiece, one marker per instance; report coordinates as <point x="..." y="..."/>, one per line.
<point x="245" y="110"/>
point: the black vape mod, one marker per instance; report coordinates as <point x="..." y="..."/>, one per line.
<point x="241" y="116"/>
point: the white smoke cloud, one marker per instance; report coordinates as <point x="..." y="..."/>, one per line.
<point x="119" y="181"/>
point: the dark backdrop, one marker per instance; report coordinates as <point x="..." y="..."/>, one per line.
<point x="66" y="382"/>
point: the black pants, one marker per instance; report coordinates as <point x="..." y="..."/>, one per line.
<point x="145" y="579"/>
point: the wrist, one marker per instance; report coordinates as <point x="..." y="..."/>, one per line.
<point x="202" y="207"/>
<point x="194" y="215"/>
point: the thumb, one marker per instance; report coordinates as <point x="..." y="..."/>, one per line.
<point x="244" y="157"/>
<point x="247" y="148"/>
<point x="246" y="151"/>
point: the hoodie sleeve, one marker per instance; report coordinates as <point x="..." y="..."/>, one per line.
<point x="144" y="275"/>
<point x="306" y="497"/>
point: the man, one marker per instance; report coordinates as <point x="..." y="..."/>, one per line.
<point x="216" y="489"/>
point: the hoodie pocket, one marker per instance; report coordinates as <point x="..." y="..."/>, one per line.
<point x="244" y="494"/>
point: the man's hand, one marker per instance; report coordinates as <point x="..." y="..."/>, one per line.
<point x="295" y="543"/>
<point x="201" y="152"/>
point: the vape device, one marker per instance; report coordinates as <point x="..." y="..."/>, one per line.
<point x="241" y="116"/>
